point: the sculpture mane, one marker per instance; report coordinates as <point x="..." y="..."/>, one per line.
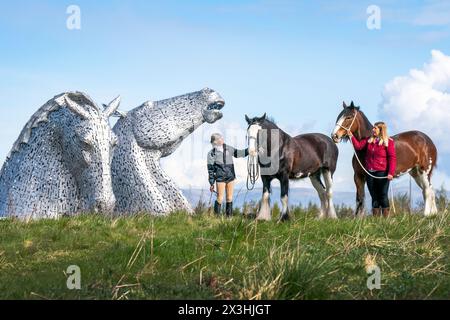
<point x="42" y="114"/>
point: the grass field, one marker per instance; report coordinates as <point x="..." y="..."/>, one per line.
<point x="205" y="257"/>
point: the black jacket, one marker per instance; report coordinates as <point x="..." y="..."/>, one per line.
<point x="220" y="164"/>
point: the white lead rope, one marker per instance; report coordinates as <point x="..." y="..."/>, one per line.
<point x="252" y="171"/>
<point x="359" y="161"/>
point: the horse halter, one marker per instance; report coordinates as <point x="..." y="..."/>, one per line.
<point x="351" y="124"/>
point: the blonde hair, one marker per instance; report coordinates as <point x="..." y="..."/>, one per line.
<point x="215" y="137"/>
<point x="384" y="137"/>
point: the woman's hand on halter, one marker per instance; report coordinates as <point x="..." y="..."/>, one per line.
<point x="211" y="188"/>
<point x="349" y="134"/>
<point x="390" y="177"/>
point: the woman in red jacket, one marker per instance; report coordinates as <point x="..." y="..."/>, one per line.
<point x="380" y="161"/>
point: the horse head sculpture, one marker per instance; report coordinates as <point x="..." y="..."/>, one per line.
<point x="60" y="164"/>
<point x="149" y="132"/>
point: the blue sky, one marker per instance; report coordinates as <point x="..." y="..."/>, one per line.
<point x="295" y="60"/>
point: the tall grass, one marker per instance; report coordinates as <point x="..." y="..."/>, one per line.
<point x="208" y="257"/>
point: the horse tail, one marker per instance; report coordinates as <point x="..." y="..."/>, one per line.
<point x="430" y="163"/>
<point x="433" y="161"/>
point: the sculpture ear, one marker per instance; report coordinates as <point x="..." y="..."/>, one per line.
<point x="248" y="119"/>
<point x="111" y="107"/>
<point x="75" y="107"/>
<point x="263" y="117"/>
<point x="344" y="105"/>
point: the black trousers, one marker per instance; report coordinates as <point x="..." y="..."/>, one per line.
<point x="379" y="189"/>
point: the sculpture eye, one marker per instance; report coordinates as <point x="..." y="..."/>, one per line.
<point x="86" y="156"/>
<point x="87" y="144"/>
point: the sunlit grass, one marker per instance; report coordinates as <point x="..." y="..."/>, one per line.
<point x="206" y="257"/>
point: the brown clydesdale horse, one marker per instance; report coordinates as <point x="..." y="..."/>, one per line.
<point x="283" y="157"/>
<point x="416" y="155"/>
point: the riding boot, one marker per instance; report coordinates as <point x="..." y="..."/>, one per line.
<point x="386" y="213"/>
<point x="229" y="209"/>
<point x="217" y="207"/>
<point x="376" y="212"/>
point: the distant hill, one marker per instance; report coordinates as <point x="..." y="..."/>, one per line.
<point x="297" y="196"/>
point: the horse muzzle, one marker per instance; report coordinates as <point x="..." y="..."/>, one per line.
<point x="336" y="138"/>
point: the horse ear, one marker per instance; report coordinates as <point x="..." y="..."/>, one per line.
<point x="357" y="108"/>
<point x="111" y="107"/>
<point x="352" y="105"/>
<point x="263" y="117"/>
<point x="74" y="107"/>
<point x="247" y="119"/>
<point x="344" y="105"/>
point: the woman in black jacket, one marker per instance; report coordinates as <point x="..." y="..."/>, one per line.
<point x="221" y="171"/>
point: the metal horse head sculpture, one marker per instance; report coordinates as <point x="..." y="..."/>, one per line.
<point x="60" y="164"/>
<point x="147" y="133"/>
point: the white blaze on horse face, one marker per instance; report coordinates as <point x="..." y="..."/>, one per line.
<point x="252" y="134"/>
<point x="338" y="126"/>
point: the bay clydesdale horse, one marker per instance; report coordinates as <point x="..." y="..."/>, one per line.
<point x="416" y="155"/>
<point x="283" y="157"/>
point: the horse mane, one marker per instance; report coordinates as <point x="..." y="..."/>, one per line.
<point x="269" y="123"/>
<point x="271" y="119"/>
<point x="367" y="123"/>
<point x="42" y="114"/>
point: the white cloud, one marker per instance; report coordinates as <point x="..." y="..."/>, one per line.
<point x="421" y="101"/>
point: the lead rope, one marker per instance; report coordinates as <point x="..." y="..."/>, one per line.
<point x="356" y="155"/>
<point x="390" y="185"/>
<point x="359" y="161"/>
<point x="392" y="197"/>
<point x="252" y="171"/>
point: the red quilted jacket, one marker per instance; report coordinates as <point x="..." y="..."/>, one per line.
<point x="378" y="158"/>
